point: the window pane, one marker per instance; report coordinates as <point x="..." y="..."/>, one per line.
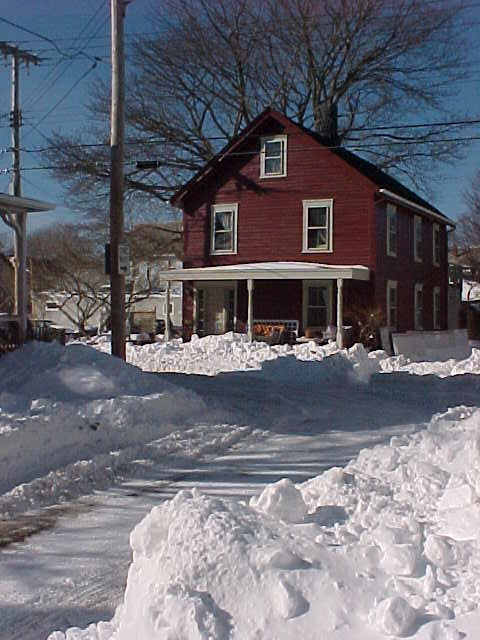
<point x="223" y="241"/>
<point x="317" y="216"/>
<point x="223" y="221"/>
<point x="273" y="165"/>
<point x="317" y="297"/>
<point x="273" y="149"/>
<point x="317" y="238"/>
<point x="317" y="317"/>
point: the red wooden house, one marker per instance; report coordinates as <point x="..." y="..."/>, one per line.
<point x="281" y="227"/>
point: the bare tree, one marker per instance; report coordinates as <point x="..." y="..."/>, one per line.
<point x="68" y="270"/>
<point x="210" y="67"/>
<point x="468" y="231"/>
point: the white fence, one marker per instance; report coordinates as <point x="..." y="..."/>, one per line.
<point x="432" y="345"/>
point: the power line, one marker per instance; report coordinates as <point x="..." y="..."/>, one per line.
<point x="45" y="87"/>
<point x="65" y="95"/>
<point x="212" y="138"/>
<point x="299" y="149"/>
<point x="41" y="37"/>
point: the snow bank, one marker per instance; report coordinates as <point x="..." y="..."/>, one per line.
<point x="442" y="369"/>
<point x="387" y="546"/>
<point x="212" y="355"/>
<point x="233" y="352"/>
<point x="68" y="406"/>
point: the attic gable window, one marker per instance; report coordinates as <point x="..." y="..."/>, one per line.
<point x="224" y="229"/>
<point x="273" y="157"/>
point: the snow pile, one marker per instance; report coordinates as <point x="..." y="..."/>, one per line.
<point x="66" y="407"/>
<point x="216" y="354"/>
<point x="387" y="546"/>
<point x="442" y="369"/>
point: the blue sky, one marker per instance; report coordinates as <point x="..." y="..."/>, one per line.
<point x="86" y="26"/>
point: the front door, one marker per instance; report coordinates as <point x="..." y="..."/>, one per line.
<point x="317" y="304"/>
<point x="215" y="309"/>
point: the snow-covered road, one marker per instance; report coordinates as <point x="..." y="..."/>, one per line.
<point x="105" y="443"/>
<point x="75" y="573"/>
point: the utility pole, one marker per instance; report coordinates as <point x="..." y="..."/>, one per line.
<point x="117" y="278"/>
<point x="18" y="222"/>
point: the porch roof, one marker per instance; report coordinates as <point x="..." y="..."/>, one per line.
<point x="269" y="271"/>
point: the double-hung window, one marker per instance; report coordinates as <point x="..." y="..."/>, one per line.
<point x="436" y="245"/>
<point x="224" y="229"/>
<point x="391" y="230"/>
<point x="418" y="238"/>
<point x="418" y="307"/>
<point x="392" y="304"/>
<point x="273" y="157"/>
<point x="317" y="226"/>
<point x="437" y="321"/>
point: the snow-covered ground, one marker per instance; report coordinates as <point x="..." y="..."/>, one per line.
<point x="387" y="545"/>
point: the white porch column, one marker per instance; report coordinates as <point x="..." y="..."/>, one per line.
<point x="167" y="335"/>
<point x="340" y="313"/>
<point x="250" y="287"/>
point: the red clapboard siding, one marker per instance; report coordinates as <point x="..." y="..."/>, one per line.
<point x="270" y="211"/>
<point x="270" y="228"/>
<point x="407" y="272"/>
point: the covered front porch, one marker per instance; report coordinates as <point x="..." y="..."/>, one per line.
<point x="14" y="211"/>
<point x="238" y="297"/>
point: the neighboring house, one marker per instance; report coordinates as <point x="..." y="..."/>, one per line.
<point x="7" y="284"/>
<point x="278" y="226"/>
<point x="145" y="292"/>
<point x="464" y="295"/>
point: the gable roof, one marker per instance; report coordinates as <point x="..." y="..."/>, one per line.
<point x="388" y="186"/>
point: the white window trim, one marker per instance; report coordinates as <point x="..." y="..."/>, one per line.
<point x="318" y="203"/>
<point x="418" y="325"/>
<point x="436" y="290"/>
<point x="391" y="208"/>
<point x="317" y="283"/>
<point x="392" y="284"/>
<point x="223" y="208"/>
<point x="435" y="227"/>
<point x="263" y="141"/>
<point x="417" y="222"/>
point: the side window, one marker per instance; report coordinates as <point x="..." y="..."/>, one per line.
<point x="418" y="238"/>
<point x="391" y="230"/>
<point x="224" y="229"/>
<point x="437" y="322"/>
<point x="392" y="306"/>
<point x="436" y="245"/>
<point x="418" y="307"/>
<point x="273" y="157"/>
<point x="317" y="226"/>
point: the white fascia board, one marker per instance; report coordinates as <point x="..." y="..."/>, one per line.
<point x="212" y="273"/>
<point x="416" y="207"/>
